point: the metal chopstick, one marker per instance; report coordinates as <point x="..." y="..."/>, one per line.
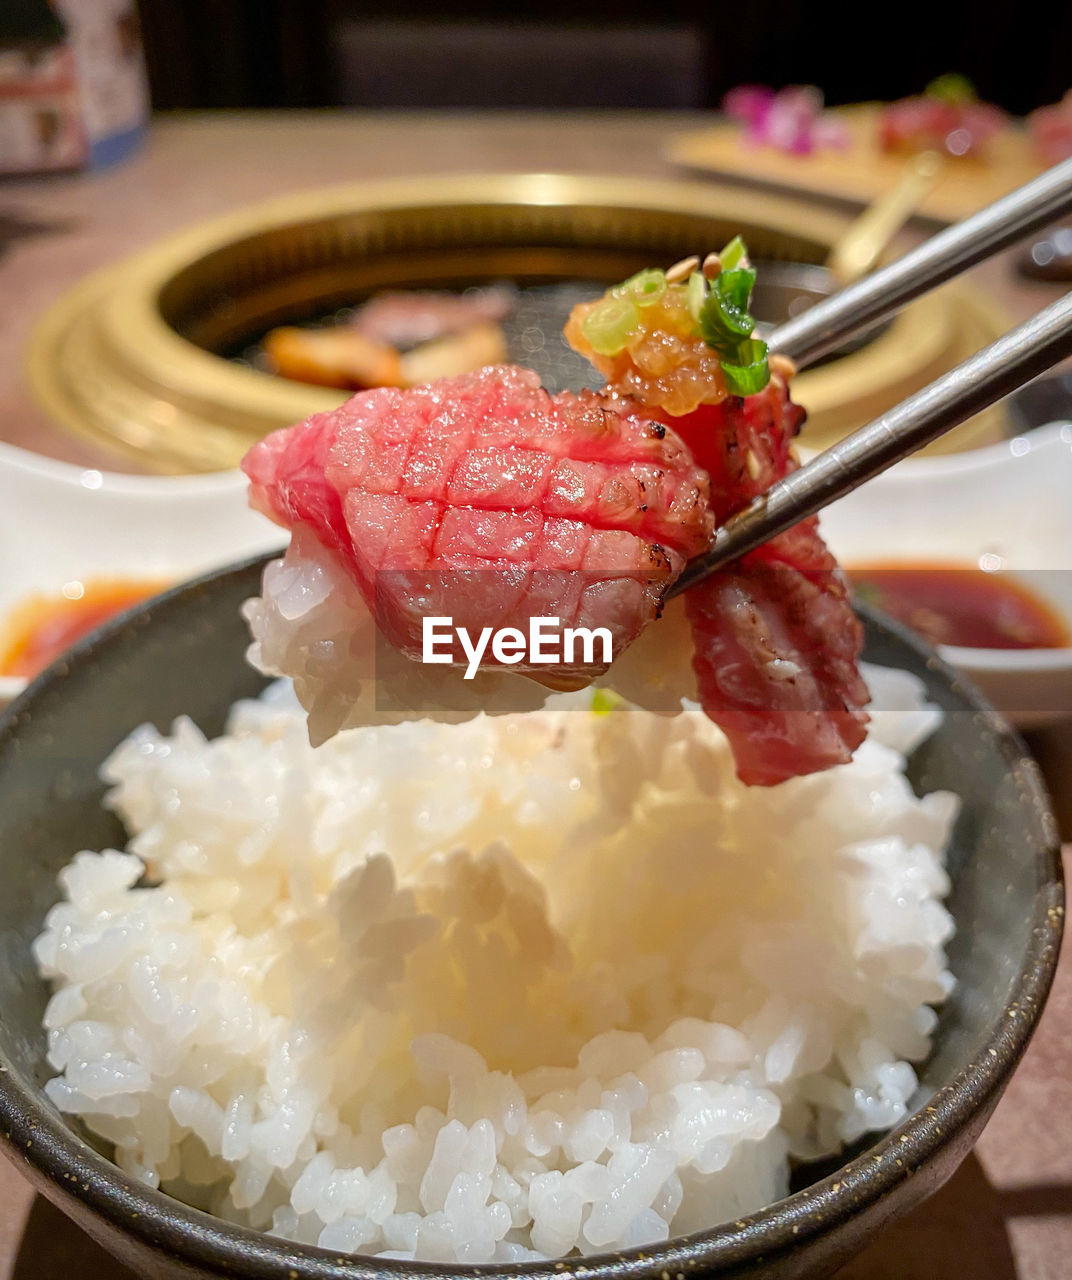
<point x="829" y="323"/>
<point x="985" y="377"/>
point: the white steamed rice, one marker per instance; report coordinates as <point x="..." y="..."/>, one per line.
<point x="495" y="990"/>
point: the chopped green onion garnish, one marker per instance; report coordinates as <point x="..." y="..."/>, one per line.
<point x="953" y="88"/>
<point x="733" y="253"/>
<point x="724" y="320"/>
<point x="645" y="288"/>
<point x="610" y="324"/>
<point x="604" y="701"/>
<point x="748" y="372"/>
<point x="726" y="326"/>
<point x="719" y="308"/>
<point x="867" y="593"/>
<point x="735" y="287"/>
<point x="695" y="295"/>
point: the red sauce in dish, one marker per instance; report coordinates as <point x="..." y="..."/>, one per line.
<point x="961" y="606"/>
<point x="42" y="627"/>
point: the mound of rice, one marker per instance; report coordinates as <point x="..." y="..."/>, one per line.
<point x="495" y="990"/>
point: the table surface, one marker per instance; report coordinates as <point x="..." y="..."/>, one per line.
<point x="1007" y="1214"/>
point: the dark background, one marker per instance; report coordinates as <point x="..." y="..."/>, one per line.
<point x="309" y="53"/>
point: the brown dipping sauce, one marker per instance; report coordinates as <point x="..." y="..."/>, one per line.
<point x="42" y="627"/>
<point x="956" y="605"/>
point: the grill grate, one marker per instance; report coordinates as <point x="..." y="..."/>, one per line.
<point x="533" y="335"/>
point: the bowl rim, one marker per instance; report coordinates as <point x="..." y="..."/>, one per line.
<point x="945" y="466"/>
<point x="1007" y="662"/>
<point x="16" y="461"/>
<point x="67" y="1165"/>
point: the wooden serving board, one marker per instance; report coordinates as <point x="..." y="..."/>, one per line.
<point x="860" y="172"/>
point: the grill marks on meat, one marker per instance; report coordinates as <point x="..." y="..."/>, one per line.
<point x="775" y="662"/>
<point x="485" y="499"/>
<point x="776" y="639"/>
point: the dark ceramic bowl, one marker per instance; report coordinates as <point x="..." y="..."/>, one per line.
<point x="183" y="653"/>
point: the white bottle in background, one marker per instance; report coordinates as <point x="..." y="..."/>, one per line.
<point x="105" y="38"/>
